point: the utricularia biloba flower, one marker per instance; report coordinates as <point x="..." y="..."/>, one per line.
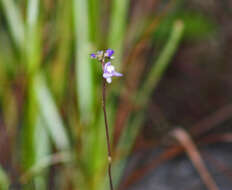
<point x="108" y="69"/>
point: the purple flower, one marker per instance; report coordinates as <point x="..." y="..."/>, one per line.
<point x="109" y="52"/>
<point x="109" y="71"/>
<point x="93" y="56"/>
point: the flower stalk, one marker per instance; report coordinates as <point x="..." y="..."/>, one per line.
<point x="107" y="133"/>
<point x="108" y="73"/>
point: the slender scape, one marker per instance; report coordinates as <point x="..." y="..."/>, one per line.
<point x="107" y="133"/>
<point x="108" y="73"/>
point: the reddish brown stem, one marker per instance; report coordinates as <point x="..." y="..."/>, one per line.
<point x="107" y="130"/>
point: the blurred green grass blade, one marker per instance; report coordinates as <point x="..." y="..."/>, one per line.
<point x="42" y="145"/>
<point x="101" y="161"/>
<point x="152" y="79"/>
<point x="131" y="131"/>
<point x="125" y="144"/>
<point x="4" y="180"/>
<point x="99" y="140"/>
<point x="118" y="27"/>
<point x="154" y="76"/>
<point x="46" y="162"/>
<point x="33" y="38"/>
<point x="50" y="114"/>
<point x="32" y="13"/>
<point x="59" y="68"/>
<point x="94" y="19"/>
<point x="15" y="21"/>
<point x="43" y="159"/>
<point x="197" y="26"/>
<point x="157" y="70"/>
<point x="28" y="130"/>
<point x="84" y="74"/>
<point x="8" y="59"/>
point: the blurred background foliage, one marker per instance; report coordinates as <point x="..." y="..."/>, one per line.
<point x="51" y="123"/>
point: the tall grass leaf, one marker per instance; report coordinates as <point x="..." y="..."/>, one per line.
<point x="60" y="66"/>
<point x="46" y="162"/>
<point x="31" y="54"/>
<point x="50" y="114"/>
<point x="98" y="161"/>
<point x="197" y="26"/>
<point x="33" y="38"/>
<point x="28" y="130"/>
<point x="8" y="59"/>
<point x="157" y="70"/>
<point x="43" y="157"/>
<point x="15" y="21"/>
<point x="153" y="77"/>
<point x="117" y="29"/>
<point x="94" y="19"/>
<point x="43" y="147"/>
<point x="84" y="74"/>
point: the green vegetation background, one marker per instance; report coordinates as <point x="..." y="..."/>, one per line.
<point x="50" y="89"/>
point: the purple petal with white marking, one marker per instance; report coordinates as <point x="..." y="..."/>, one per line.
<point x="106" y="65"/>
<point x="107" y="75"/>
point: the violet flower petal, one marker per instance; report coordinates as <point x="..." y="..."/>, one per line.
<point x="117" y="74"/>
<point x="106" y="66"/>
<point x="109" y="52"/>
<point x="93" y="56"/>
